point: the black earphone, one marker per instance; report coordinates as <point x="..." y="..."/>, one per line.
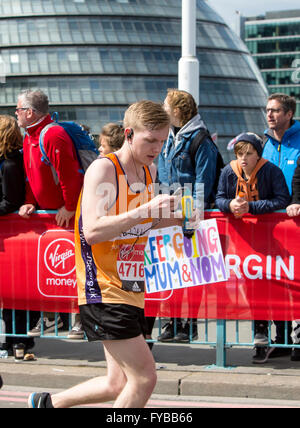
<point x="130" y="135"/>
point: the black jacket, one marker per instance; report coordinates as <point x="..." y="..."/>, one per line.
<point x="12" y="183"/>
<point x="296" y="184"/>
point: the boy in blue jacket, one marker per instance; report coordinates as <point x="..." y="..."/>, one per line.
<point x="251" y="184"/>
<point x="261" y="182"/>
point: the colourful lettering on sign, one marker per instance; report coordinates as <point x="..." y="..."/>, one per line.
<point x="173" y="261"/>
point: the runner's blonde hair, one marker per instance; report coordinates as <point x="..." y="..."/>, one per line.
<point x="146" y="115"/>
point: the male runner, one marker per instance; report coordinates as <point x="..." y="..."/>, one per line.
<point x="114" y="214"/>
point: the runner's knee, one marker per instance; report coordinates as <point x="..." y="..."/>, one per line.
<point x="116" y="386"/>
<point x="146" y="383"/>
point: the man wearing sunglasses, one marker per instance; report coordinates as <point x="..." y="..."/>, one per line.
<point x="44" y="188"/>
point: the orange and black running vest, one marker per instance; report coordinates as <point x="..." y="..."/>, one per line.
<point x="113" y="271"/>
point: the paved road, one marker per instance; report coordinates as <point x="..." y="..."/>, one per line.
<point x="15" y="397"/>
<point x="184" y="371"/>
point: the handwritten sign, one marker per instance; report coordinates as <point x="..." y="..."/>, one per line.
<point x="173" y="261"/>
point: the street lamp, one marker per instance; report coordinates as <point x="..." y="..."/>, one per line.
<point x="188" y="66"/>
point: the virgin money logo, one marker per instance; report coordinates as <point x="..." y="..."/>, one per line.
<point x="59" y="257"/>
<point x="126" y="252"/>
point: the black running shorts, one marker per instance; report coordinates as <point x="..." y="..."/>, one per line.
<point x="105" y="321"/>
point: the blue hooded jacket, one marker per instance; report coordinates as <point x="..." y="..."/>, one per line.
<point x="175" y="164"/>
<point x="284" y="154"/>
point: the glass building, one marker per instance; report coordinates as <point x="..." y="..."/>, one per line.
<point x="274" y="41"/>
<point x="95" y="57"/>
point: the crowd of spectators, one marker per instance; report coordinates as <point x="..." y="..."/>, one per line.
<point x="263" y="177"/>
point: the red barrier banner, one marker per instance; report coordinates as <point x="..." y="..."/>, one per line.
<point x="37" y="264"/>
<point x="37" y="270"/>
<point x="262" y="259"/>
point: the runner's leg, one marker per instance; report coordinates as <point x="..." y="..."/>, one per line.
<point x="136" y="361"/>
<point x="96" y="390"/>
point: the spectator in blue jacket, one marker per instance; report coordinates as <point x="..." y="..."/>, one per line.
<point x="174" y="163"/>
<point x="251" y="184"/>
<point x="293" y="210"/>
<point x="176" y="166"/>
<point x="283" y="136"/>
<point x="283" y="149"/>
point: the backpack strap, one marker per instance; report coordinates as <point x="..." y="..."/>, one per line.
<point x="264" y="140"/>
<point x="41" y="142"/>
<point x="43" y="151"/>
<point x="196" y="141"/>
<point x="194" y="146"/>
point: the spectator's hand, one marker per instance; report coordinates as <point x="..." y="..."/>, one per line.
<point x="238" y="208"/>
<point x="293" y="210"/>
<point x="26" y="210"/>
<point x="63" y="217"/>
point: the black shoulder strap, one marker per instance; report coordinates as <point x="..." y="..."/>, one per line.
<point x="265" y="139"/>
<point x="196" y="141"/>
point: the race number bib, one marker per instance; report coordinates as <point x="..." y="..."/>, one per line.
<point x="130" y="265"/>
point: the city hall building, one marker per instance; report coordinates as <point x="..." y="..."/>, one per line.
<point x="95" y="57"/>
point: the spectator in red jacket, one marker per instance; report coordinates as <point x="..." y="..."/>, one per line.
<point x="49" y="187"/>
<point x="42" y="189"/>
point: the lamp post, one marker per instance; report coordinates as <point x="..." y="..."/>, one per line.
<point x="188" y="66"/>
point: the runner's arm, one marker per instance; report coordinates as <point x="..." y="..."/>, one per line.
<point x="99" y="195"/>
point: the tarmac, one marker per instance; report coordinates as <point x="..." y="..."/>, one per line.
<point x="186" y="370"/>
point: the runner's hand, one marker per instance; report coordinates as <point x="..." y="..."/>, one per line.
<point x="163" y="206"/>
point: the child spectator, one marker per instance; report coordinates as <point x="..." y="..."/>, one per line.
<point x="111" y="138"/>
<point x="251" y="184"/>
<point x="261" y="182"/>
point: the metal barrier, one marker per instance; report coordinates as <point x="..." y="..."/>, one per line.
<point x="218" y="334"/>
